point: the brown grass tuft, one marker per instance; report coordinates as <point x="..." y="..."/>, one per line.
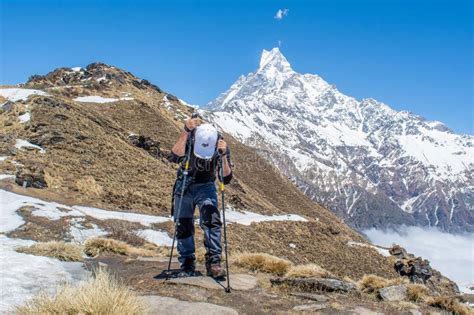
<point x="308" y="271"/>
<point x="98" y="245"/>
<point x="60" y="250"/>
<point x="52" y="180"/>
<point x="417" y="292"/>
<point x="121" y="233"/>
<point x="262" y="262"/>
<point x="88" y="186"/>
<point x="102" y="294"/>
<point x="372" y="283"/>
<point x="450" y="304"/>
<point x="201" y="255"/>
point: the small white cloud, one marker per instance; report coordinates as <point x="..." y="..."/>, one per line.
<point x="279" y="43"/>
<point x="281" y="13"/>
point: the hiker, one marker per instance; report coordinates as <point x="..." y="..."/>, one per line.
<point x="200" y="190"/>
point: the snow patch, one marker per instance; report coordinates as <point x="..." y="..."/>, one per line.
<point x="159" y="238"/>
<point x="100" y="99"/>
<point x="25" y="144"/>
<point x="24" y="117"/>
<point x="247" y="217"/>
<point x="18" y="94"/>
<point x="79" y="234"/>
<point x="23" y="275"/>
<point x="381" y="251"/>
<point x="4" y="176"/>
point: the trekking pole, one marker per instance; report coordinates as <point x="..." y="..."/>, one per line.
<point x="183" y="187"/>
<point x="221" y="171"/>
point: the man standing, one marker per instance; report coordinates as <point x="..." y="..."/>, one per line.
<point x="200" y="190"/>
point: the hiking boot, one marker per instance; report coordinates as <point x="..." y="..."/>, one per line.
<point x="188" y="268"/>
<point x="215" y="271"/>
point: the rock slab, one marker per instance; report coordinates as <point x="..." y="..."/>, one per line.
<point x="393" y="293"/>
<point x="170" y="306"/>
<point x="239" y="282"/>
<point x="309" y="307"/>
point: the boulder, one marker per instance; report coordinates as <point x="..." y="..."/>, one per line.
<point x="393" y="293"/>
<point x="316" y="284"/>
<point x="170" y="306"/>
<point x="147" y="144"/>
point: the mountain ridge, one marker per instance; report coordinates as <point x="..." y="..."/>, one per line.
<point x="388" y="163"/>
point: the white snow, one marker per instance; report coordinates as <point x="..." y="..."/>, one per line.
<point x="25" y="144"/>
<point x="24" y="117"/>
<point x="100" y="99"/>
<point x="3" y="158"/>
<point x="95" y="99"/>
<point x="101" y="214"/>
<point x="80" y="234"/>
<point x="23" y="275"/>
<point x="381" y="251"/>
<point x="4" y="176"/>
<point x="159" y="238"/>
<point x="247" y="217"/>
<point x="17" y="94"/>
<point x="76" y="69"/>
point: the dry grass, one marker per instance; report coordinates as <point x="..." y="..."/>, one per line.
<point x="102" y="294"/>
<point x="417" y="292"/>
<point x="262" y="262"/>
<point x="99" y="245"/>
<point x="60" y="250"/>
<point x="88" y="186"/>
<point x="121" y="233"/>
<point x="450" y="304"/>
<point x="372" y="283"/>
<point x="52" y="180"/>
<point x="308" y="271"/>
<point x="337" y="306"/>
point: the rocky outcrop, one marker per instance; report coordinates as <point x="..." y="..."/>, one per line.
<point x="316" y="284"/>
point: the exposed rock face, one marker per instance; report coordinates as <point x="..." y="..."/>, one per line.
<point x="31" y="176"/>
<point x="418" y="270"/>
<point x="371" y="165"/>
<point x="393" y="293"/>
<point x="147" y="144"/>
<point x="170" y="306"/>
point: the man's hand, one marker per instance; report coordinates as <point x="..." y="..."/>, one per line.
<point x="191" y="123"/>
<point x="222" y="146"/>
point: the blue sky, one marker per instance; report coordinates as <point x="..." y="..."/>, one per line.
<point x="411" y="54"/>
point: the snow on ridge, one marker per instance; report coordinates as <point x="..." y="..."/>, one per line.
<point x="19" y="94"/>
<point x="381" y="251"/>
<point x="20" y="143"/>
<point x="100" y="99"/>
<point x="247" y="217"/>
<point x="76" y="69"/>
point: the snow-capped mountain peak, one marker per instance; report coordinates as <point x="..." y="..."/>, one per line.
<point x="274" y="58"/>
<point x="367" y="162"/>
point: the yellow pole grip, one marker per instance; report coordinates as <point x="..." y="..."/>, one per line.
<point x="187" y="165"/>
<point x="222" y="186"/>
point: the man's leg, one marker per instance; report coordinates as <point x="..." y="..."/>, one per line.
<point x="210" y="222"/>
<point x="185" y="231"/>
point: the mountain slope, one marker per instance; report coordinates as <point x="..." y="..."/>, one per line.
<point x="81" y="146"/>
<point x="371" y="165"/>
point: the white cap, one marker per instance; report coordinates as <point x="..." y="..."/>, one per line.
<point x="205" y="140"/>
